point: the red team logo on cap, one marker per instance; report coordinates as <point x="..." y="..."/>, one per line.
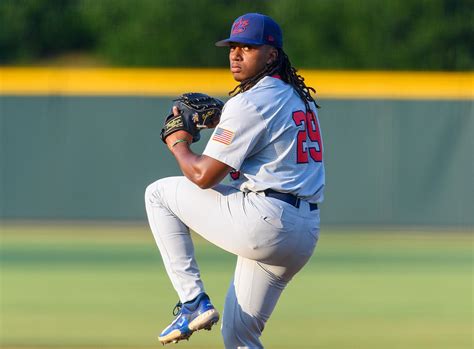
<point x="240" y="26"/>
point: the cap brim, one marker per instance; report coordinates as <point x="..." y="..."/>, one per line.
<point x="222" y="43"/>
<point x="227" y="42"/>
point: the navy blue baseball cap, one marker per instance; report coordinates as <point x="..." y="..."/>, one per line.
<point x="254" y="29"/>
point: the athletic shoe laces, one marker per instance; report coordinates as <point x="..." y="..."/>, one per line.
<point x="177" y="308"/>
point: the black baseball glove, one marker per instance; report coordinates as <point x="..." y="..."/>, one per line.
<point x="196" y="111"/>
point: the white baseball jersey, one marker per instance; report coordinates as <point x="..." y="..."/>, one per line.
<point x="266" y="135"/>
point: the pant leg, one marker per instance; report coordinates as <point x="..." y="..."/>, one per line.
<point x="243" y="224"/>
<point x="253" y="295"/>
<point x="176" y="247"/>
<point x="250" y="300"/>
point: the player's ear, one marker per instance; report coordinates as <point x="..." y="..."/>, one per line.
<point x="272" y="55"/>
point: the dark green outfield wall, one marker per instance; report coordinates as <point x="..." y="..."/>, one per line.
<point x="388" y="162"/>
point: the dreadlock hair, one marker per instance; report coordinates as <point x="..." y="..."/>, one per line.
<point x="281" y="66"/>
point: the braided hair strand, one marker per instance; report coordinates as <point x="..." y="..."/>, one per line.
<point x="281" y="66"/>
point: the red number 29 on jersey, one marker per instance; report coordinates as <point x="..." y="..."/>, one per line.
<point x="309" y="133"/>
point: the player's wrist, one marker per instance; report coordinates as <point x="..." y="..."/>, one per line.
<point x="178" y="137"/>
<point x="176" y="142"/>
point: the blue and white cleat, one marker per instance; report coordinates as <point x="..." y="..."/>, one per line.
<point x="190" y="317"/>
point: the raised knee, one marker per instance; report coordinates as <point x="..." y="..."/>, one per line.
<point x="152" y="193"/>
<point x="157" y="192"/>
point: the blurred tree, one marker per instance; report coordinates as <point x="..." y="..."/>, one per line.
<point x="337" y="34"/>
<point x="163" y="33"/>
<point x="30" y="29"/>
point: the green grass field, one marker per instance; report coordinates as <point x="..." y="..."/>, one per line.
<point x="105" y="286"/>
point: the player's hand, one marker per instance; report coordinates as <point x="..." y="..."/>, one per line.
<point x="172" y="138"/>
<point x="197" y="111"/>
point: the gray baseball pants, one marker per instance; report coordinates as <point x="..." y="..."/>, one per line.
<point x="272" y="240"/>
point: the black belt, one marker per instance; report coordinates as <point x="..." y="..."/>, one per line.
<point x="288" y="198"/>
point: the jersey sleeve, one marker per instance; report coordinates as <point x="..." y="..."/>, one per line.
<point x="236" y="135"/>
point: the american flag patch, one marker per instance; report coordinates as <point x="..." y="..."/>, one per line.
<point x="223" y="136"/>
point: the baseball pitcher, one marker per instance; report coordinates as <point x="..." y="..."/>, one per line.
<point x="268" y="140"/>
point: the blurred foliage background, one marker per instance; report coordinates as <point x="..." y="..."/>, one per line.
<point x="321" y="34"/>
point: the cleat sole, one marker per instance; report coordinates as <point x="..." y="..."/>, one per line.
<point x="204" y="321"/>
<point x="174" y="337"/>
